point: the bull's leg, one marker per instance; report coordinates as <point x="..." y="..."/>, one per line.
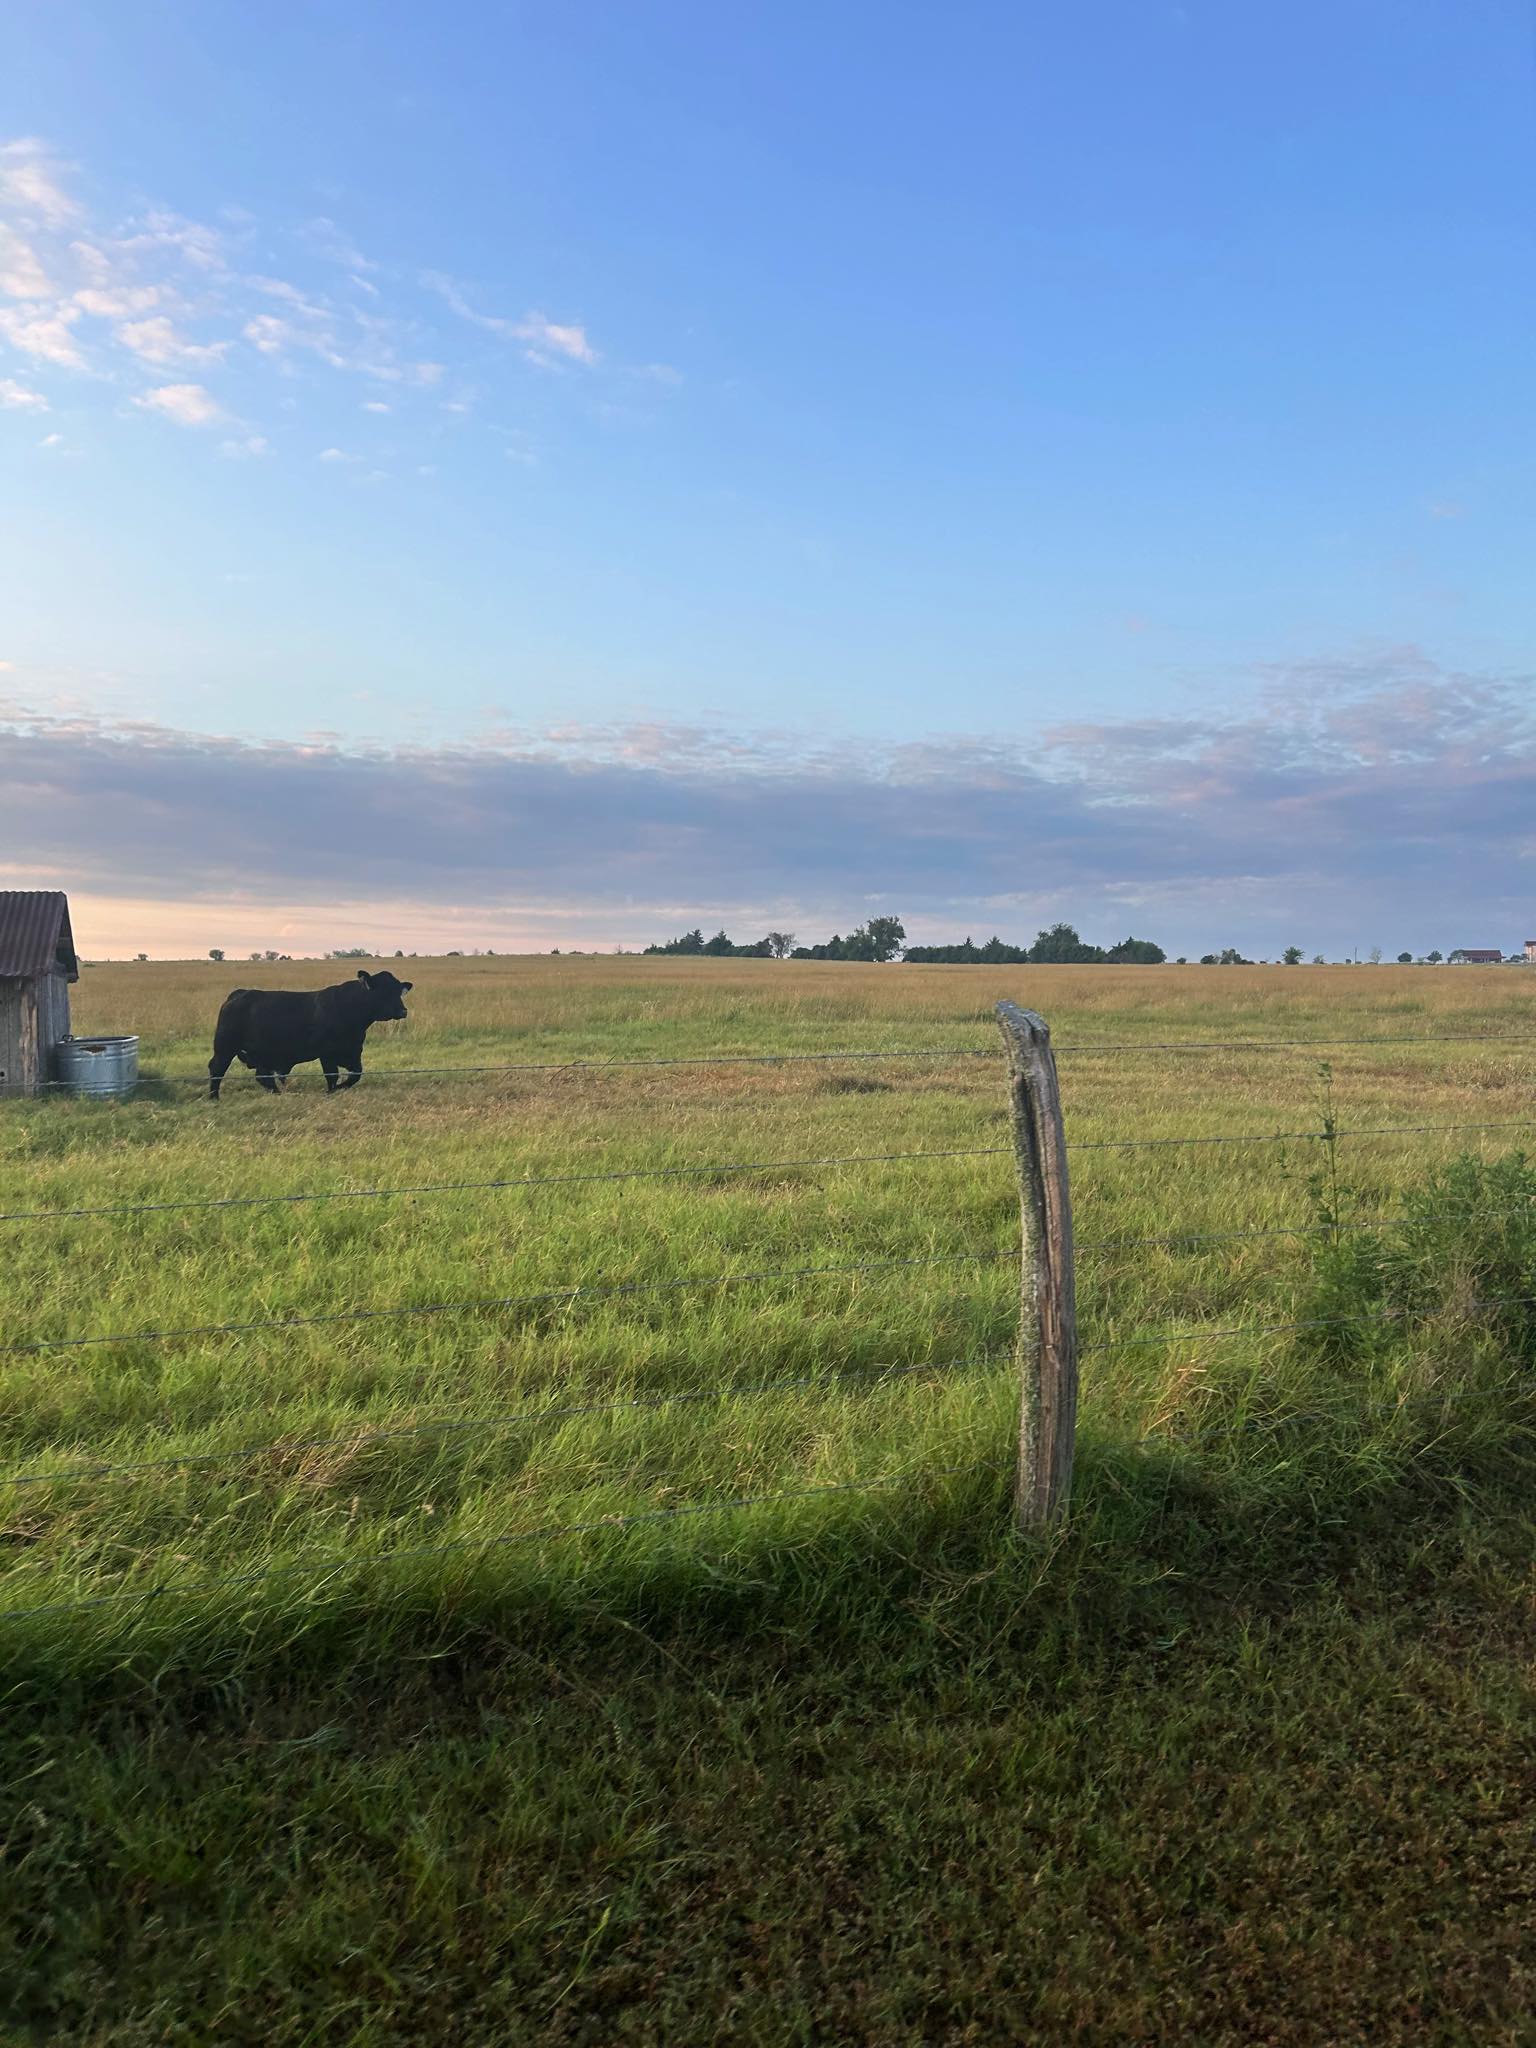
<point x="273" y="1079"/>
<point x="226" y="1050"/>
<point x="330" y="1069"/>
<point x="353" y="1062"/>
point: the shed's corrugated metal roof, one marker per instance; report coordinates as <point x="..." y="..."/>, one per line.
<point x="35" y="937"/>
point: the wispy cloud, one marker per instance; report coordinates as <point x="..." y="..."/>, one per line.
<point x="19" y="398"/>
<point x="118" y="302"/>
<point x="1384" y="797"/>
<point x="47" y="336"/>
<point x="157" y="341"/>
<point x="119" y="298"/>
<point x="32" y="183"/>
<point x="189" y="405"/>
<point x="22" y="275"/>
<point x="547" y="342"/>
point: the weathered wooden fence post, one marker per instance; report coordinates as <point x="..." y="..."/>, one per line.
<point x="1048" y="1300"/>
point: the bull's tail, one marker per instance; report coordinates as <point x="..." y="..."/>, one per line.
<point x="228" y="1038"/>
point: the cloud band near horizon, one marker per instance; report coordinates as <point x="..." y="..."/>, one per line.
<point x="1384" y="802"/>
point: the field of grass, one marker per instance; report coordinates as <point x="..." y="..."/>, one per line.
<point x="1241" y="1753"/>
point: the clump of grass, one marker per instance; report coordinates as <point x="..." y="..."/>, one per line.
<point x="1455" y="1267"/>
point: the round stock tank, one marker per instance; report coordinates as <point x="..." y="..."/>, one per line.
<point x="99" y="1066"/>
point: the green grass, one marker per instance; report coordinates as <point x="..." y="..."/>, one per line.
<point x="1240" y="1753"/>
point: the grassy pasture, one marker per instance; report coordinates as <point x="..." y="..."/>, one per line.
<point x="379" y="1762"/>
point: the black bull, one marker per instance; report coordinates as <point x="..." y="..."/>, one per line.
<point x="275" y="1030"/>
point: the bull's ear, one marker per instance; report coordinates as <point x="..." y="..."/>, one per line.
<point x="406" y="987"/>
<point x="364" y="975"/>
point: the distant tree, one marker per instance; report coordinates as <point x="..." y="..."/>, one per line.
<point x="141" y="956"/>
<point x="995" y="953"/>
<point x="690" y="942"/>
<point x="1062" y="944"/>
<point x="1435" y="957"/>
<point x="1207" y="959"/>
<point x="256" y="956"/>
<point x="350" y="953"/>
<point x="885" y="937"/>
<point x="1405" y="959"/>
<point x="1137" y="953"/>
<point x="719" y="946"/>
<point x="1374" y="956"/>
<point x="1229" y="956"/>
<point x="215" y="952"/>
<point x="1318" y="960"/>
<point x="780" y="944"/>
<point x="1181" y="961"/>
<point x="1291" y="956"/>
<point x="881" y="939"/>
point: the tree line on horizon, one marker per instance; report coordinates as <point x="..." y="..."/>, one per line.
<point x="884" y="939"/>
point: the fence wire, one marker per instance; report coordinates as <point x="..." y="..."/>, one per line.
<point x="532" y="1180"/>
<point x="731" y="1167"/>
<point x="594" y="1065"/>
<point x="543" y="1298"/>
<point x="1201" y="1335"/>
<point x="1314" y="1137"/>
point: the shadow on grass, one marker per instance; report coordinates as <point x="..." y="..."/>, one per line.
<point x="896" y="1582"/>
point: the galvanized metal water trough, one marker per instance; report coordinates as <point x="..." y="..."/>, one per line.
<point x="99" y="1066"/>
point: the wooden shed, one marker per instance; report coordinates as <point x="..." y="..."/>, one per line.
<point x="37" y="964"/>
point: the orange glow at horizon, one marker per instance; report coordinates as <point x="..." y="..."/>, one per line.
<point x="118" y="928"/>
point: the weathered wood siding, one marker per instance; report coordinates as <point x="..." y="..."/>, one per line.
<point x="34" y="1017"/>
<point x="18" y="1035"/>
<point x="52" y="1022"/>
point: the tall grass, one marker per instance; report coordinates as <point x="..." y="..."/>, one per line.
<point x="1241" y="1752"/>
<point x="343" y="1467"/>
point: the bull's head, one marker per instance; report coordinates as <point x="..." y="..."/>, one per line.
<point x="386" y="996"/>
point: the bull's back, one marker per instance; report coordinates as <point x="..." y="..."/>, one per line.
<point x="297" y="1024"/>
<point x="251" y="1017"/>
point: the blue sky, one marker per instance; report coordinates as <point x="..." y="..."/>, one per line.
<point x="675" y="422"/>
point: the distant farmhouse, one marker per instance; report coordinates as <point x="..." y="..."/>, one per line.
<point x="1485" y="956"/>
<point x="37" y="964"/>
<point x="1530" y="951"/>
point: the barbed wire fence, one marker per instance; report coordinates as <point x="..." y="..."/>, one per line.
<point x="1045" y="1355"/>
